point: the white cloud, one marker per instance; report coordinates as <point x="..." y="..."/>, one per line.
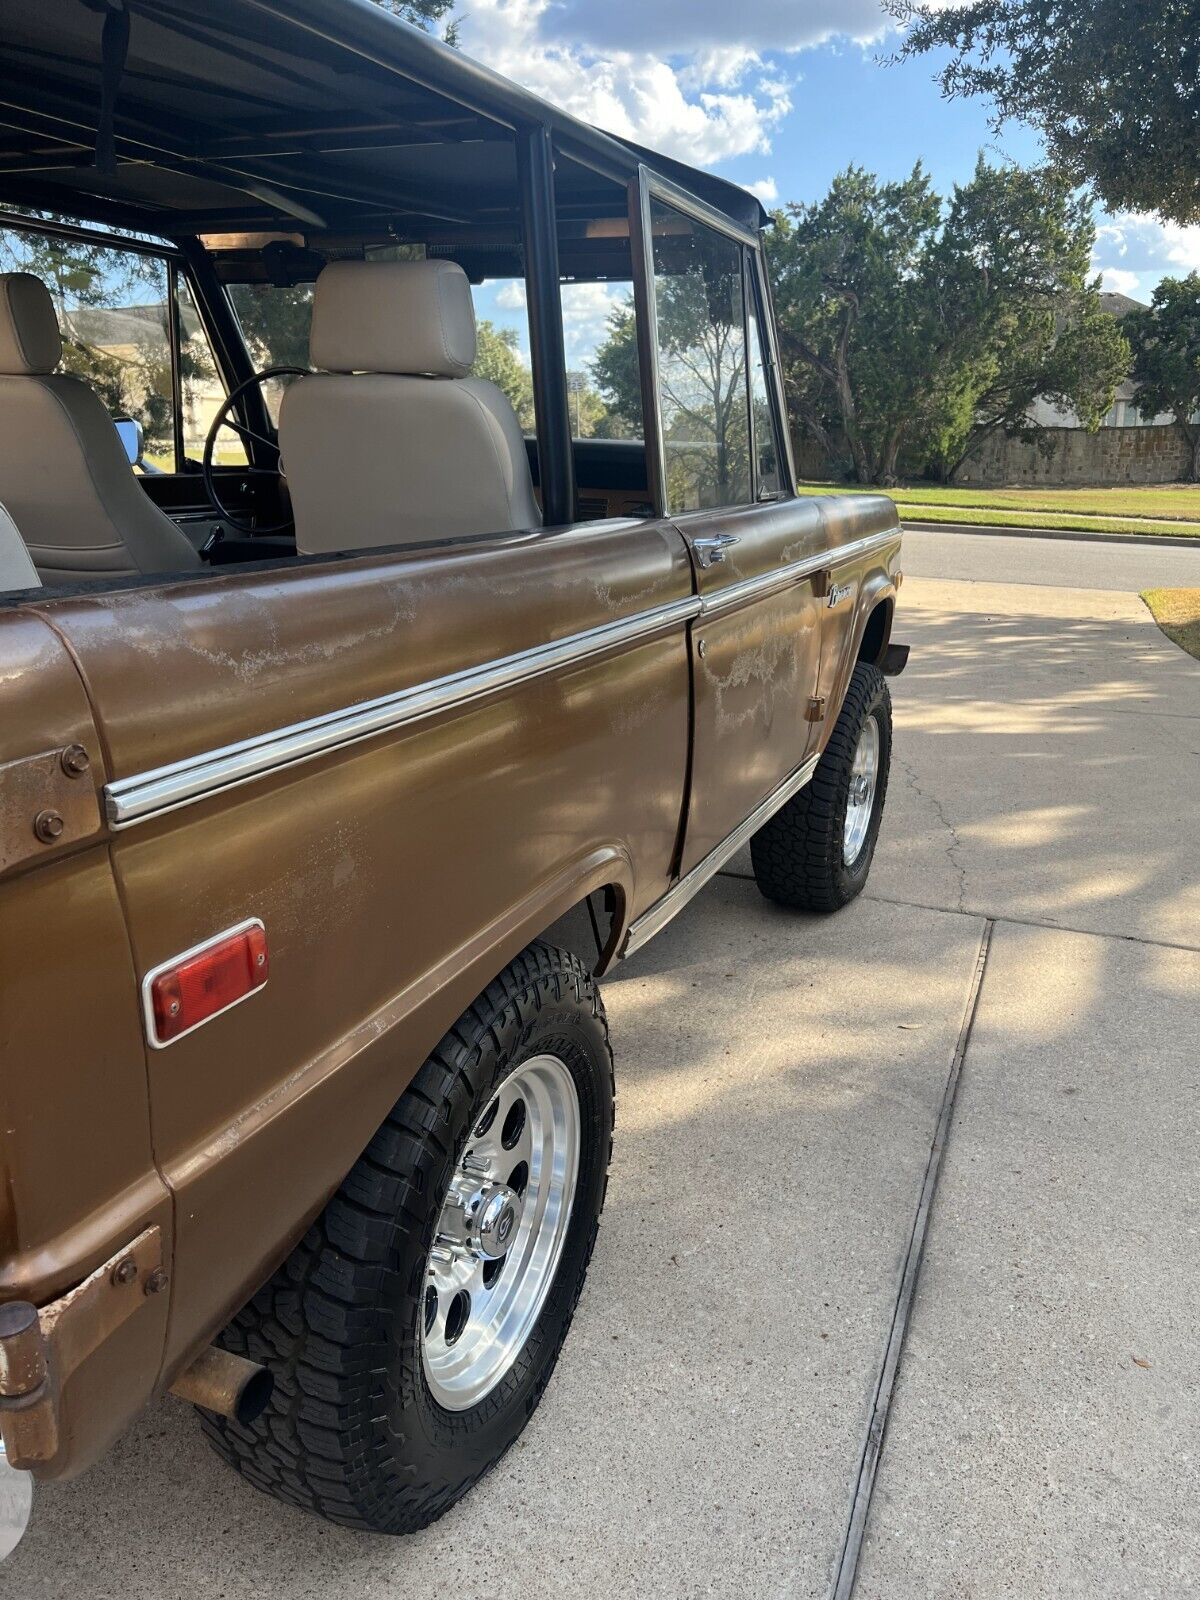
<point x="674" y="27"/>
<point x="511" y="295"/>
<point x="586" y="310"/>
<point x="766" y="189"/>
<point x="1160" y="249"/>
<point x="700" y="101"/>
<point x="1120" y="281"/>
<point x="1182" y="245"/>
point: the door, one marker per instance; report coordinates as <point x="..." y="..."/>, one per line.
<point x="721" y="472"/>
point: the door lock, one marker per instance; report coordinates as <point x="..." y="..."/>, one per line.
<point x="711" y="550"/>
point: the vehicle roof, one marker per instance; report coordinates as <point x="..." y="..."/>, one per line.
<point x="327" y="116"/>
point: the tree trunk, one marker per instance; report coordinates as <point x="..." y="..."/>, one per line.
<point x="889" y="455"/>
<point x="1191" y="434"/>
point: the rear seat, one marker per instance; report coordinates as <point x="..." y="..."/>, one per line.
<point x="17" y="571"/>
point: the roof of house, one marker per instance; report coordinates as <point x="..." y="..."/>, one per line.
<point x="1118" y="305"/>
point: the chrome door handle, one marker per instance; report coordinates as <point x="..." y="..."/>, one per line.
<point x="710" y="551"/>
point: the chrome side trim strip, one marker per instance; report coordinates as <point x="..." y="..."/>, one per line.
<point x="660" y="913"/>
<point x="181" y="783"/>
<point x="740" y="594"/>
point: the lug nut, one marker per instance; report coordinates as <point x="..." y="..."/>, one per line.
<point x="48" y="826"/>
<point x="75" y="761"/>
<point x="157" y="1281"/>
<point x="125" y="1271"/>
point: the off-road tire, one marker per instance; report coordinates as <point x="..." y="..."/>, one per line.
<point x="352" y="1431"/>
<point x="798" y="855"/>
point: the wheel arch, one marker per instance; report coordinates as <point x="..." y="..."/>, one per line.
<point x="876" y="632"/>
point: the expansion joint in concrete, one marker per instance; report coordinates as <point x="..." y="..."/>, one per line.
<point x="872" y="1448"/>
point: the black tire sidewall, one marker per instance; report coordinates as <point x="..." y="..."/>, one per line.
<point x="852" y="877"/>
<point x="421" y="1433"/>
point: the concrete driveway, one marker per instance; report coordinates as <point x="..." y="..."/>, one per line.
<point x="780" y="1084"/>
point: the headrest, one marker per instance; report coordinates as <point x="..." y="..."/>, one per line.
<point x="29" y="337"/>
<point x="410" y="317"/>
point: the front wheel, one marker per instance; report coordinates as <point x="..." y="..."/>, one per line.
<point x="414" y="1330"/>
<point x="816" y="851"/>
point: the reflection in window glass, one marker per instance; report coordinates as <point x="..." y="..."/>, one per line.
<point x="702" y="363"/>
<point x="201" y="388"/>
<point x="112" y="312"/>
<point x="766" y="449"/>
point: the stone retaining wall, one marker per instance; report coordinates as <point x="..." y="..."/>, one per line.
<point x="1110" y="456"/>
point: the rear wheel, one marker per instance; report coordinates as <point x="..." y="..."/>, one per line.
<point x="413" y="1331"/>
<point x="815" y="853"/>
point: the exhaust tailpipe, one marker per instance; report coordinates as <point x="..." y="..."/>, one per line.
<point x="227" y="1384"/>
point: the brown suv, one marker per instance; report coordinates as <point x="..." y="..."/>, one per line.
<point x="366" y="691"/>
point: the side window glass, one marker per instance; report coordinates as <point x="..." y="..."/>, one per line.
<point x="762" y="419"/>
<point x="112" y="310"/>
<point x="502" y="345"/>
<point x="275" y="323"/>
<point x="702" y="362"/>
<point x="201" y="388"/>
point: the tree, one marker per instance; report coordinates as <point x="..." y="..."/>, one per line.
<point x="617" y="372"/>
<point x="497" y="361"/>
<point x="1166" y="357"/>
<point x="588" y="410"/>
<point x="913" y="330"/>
<point x="425" y="13"/>
<point x="701" y="371"/>
<point x="1013" y="262"/>
<point x="1112" y="86"/>
<point x="852" y="308"/>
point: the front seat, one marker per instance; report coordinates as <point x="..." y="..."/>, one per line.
<point x="16" y="569"/>
<point x="393" y="443"/>
<point x="64" y="474"/>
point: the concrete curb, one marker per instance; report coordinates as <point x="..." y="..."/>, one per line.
<point x="1185" y="542"/>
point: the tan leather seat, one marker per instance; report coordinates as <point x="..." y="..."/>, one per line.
<point x="393" y="443"/>
<point x="64" y="474"/>
<point x="16" y="568"/>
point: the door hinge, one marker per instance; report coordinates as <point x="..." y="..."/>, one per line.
<point x="46" y="800"/>
<point x="816" y="709"/>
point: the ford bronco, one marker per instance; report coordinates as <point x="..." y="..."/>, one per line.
<point x="367" y="689"/>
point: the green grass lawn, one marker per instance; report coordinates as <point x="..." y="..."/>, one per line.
<point x="1161" y="508"/>
<point x="1177" y="612"/>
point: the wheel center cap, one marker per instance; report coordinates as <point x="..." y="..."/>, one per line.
<point x="492" y="1223"/>
<point x="859" y="790"/>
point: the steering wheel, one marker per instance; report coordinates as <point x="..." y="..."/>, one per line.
<point x="223" y="419"/>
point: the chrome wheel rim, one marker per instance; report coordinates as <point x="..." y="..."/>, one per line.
<point x="860" y="803"/>
<point x="501" y="1233"/>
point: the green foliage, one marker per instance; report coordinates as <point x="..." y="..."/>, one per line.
<point x="497" y="361"/>
<point x="275" y="321"/>
<point x="617" y="375"/>
<point x="912" y="329"/>
<point x="589" y="414"/>
<point x="426" y="14"/>
<point x="1166" y="356"/>
<point x="1112" y="86"/>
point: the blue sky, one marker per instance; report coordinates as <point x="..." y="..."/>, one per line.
<point x="778" y="95"/>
